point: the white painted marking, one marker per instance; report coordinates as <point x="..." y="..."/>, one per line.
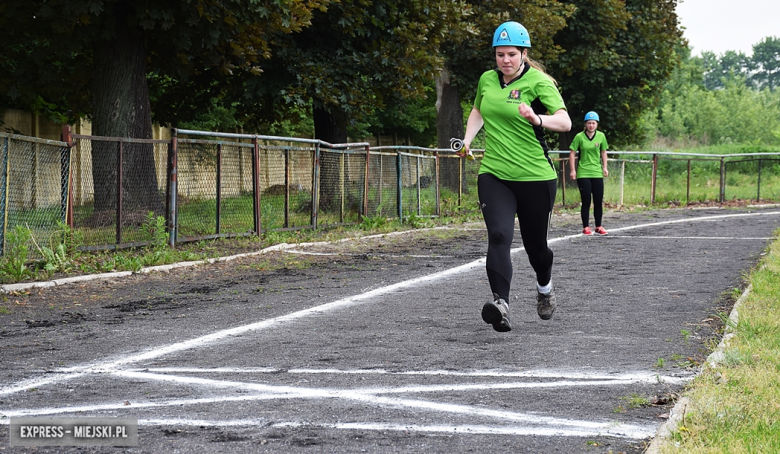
<point x="553" y="426"/>
<point x="558" y="426"/>
<point x="222" y="335"/>
<point x="293" y="251"/>
<point x="621" y="431"/>
<point x="546" y="374"/>
<point x="649" y="237"/>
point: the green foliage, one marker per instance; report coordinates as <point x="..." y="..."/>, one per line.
<point x="48" y="47"/>
<point x="58" y="255"/>
<point x="154" y="228"/>
<point x="417" y="222"/>
<point x="375" y="222"/>
<point x="766" y="63"/>
<point x="690" y="111"/>
<point x="14" y="261"/>
<point x="618" y="56"/>
<point x="128" y="263"/>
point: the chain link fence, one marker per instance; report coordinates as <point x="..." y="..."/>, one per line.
<point x="113" y="191"/>
<point x="33" y="187"/>
<point x="118" y="186"/>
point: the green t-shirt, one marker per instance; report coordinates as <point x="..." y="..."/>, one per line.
<point x="514" y="149"/>
<point x="589" y="154"/>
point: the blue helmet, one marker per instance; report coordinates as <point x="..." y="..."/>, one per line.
<point x="511" y="34"/>
<point x="591" y="116"/>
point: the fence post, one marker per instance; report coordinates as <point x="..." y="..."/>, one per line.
<point x="287" y="187"/>
<point x="722" y="180"/>
<point x="119" y="193"/>
<point x="365" y="182"/>
<point x="4" y="192"/>
<point x="256" y="185"/>
<point x="219" y="187"/>
<point x="170" y="200"/>
<point x="342" y="184"/>
<point x="622" y="179"/>
<point x="563" y="182"/>
<point x="688" y="190"/>
<point x="399" y="186"/>
<point x="758" y="190"/>
<point x="67" y="190"/>
<point x="460" y="180"/>
<point x="653" y="182"/>
<point x="438" y="193"/>
<point x="315" y="186"/>
<point x="419" y="196"/>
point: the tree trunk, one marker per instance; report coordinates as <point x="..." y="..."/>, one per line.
<point x="331" y="127"/>
<point x="449" y="124"/>
<point x="121" y="109"/>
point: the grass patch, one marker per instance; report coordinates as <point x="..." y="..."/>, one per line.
<point x="735" y="405"/>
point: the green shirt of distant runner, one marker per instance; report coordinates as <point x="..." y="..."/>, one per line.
<point x="592" y="159"/>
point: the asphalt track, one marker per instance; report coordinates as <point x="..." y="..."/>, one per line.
<point x="378" y="346"/>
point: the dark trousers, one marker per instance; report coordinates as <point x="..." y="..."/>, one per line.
<point x="532" y="203"/>
<point x="588" y="187"/>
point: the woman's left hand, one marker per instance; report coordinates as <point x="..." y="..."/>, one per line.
<point x="528" y="113"/>
<point x="606" y="173"/>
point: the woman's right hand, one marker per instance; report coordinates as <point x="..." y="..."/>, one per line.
<point x="573" y="174"/>
<point x="465" y="151"/>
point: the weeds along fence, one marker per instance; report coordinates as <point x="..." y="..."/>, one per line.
<point x="107" y="191"/>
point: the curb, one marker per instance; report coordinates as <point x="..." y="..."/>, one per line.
<point x="714" y="358"/>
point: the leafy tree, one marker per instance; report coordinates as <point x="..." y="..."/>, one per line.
<point x="77" y="56"/>
<point x="357" y="57"/>
<point x="766" y="63"/>
<point x="468" y="52"/>
<point x="618" y="55"/>
<point x="688" y="110"/>
<point x="720" y="69"/>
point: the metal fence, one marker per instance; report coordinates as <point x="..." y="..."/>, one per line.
<point x="110" y="191"/>
<point x="33" y="187"/>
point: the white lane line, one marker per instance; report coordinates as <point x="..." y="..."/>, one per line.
<point x="608" y="429"/>
<point x="650" y="237"/>
<point x="287" y="392"/>
<point x="546" y="374"/>
<point x="223" y="335"/>
<point x="294" y="251"/>
<point x="287" y="389"/>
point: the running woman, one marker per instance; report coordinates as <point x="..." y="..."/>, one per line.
<point x="590" y="171"/>
<point x="516" y="177"/>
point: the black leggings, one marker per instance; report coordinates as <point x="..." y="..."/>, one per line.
<point x="587" y="187"/>
<point x="532" y="202"/>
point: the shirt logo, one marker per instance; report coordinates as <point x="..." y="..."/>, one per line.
<point x="596" y="144"/>
<point x="514" y="96"/>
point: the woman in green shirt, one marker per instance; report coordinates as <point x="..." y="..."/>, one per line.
<point x="590" y="171"/>
<point x="516" y="176"/>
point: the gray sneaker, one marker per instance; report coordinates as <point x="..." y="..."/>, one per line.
<point x="496" y="313"/>
<point x="545" y="305"/>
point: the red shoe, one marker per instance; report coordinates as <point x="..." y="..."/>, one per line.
<point x="587" y="231"/>
<point x="600" y="230"/>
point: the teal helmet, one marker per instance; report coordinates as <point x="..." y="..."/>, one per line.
<point x="511" y="34"/>
<point x="591" y="116"/>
